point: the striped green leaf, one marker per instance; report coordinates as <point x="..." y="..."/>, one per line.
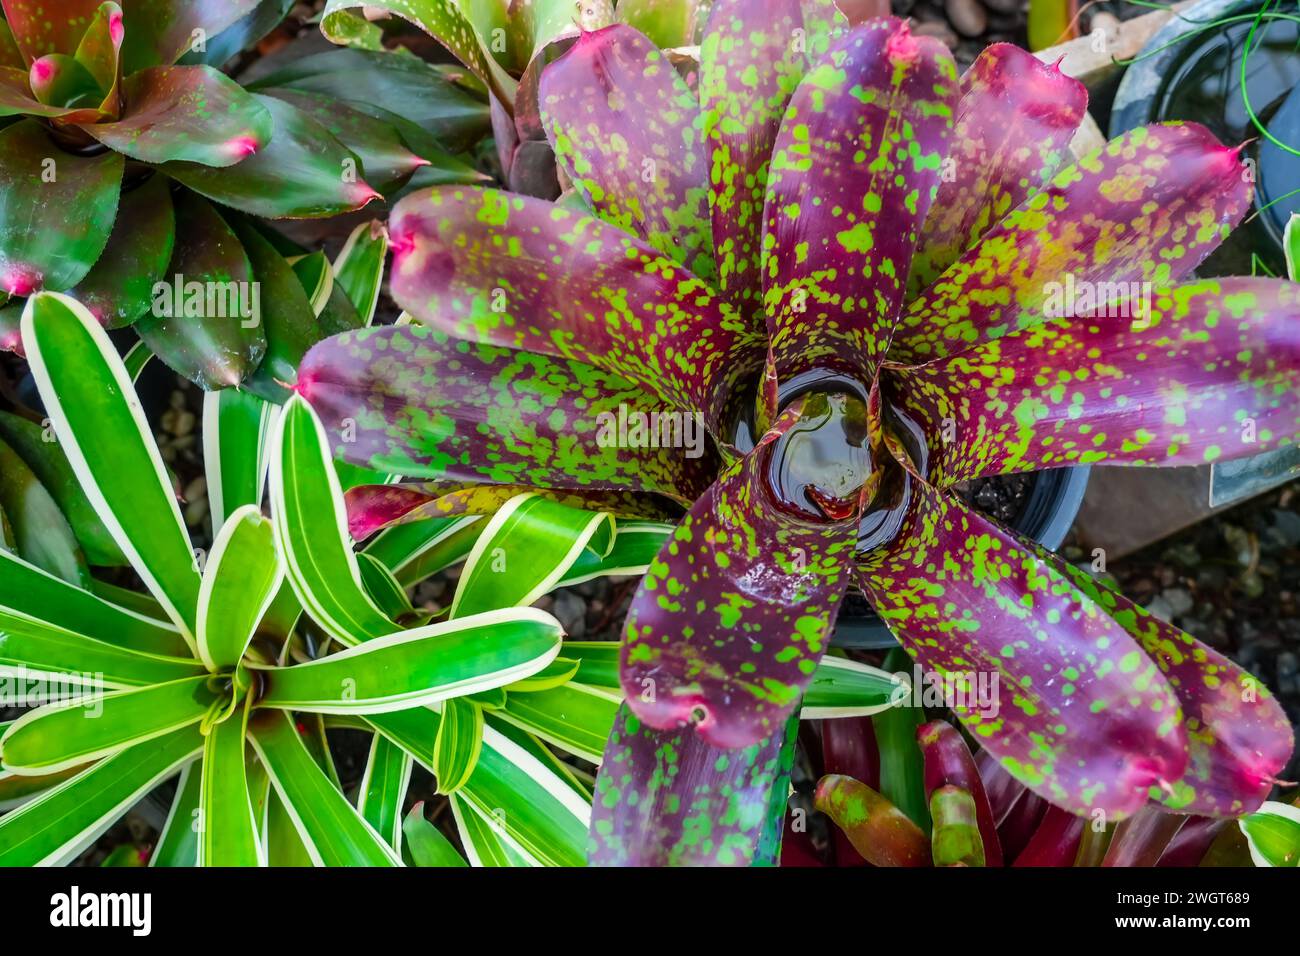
<point x="425" y="843"/>
<point x="332" y="832"/>
<point x="386" y="591"/>
<point x="311" y="530"/>
<point x="359" y="268"/>
<point x="1273" y="834"/>
<point x="419" y="549"/>
<point x="576" y="718"/>
<point x="229" y="832"/>
<point x="237" y="429"/>
<point x="69" y="733"/>
<point x="45" y="649"/>
<point x="29" y="590"/>
<point x="484" y="841"/>
<point x="178" y="844"/>
<point x="635" y="546"/>
<point x="844" y="688"/>
<point x="526" y="548"/>
<point x="53" y="828"/>
<point x="15" y="790"/>
<point x="383" y="789"/>
<point x="541" y="816"/>
<point x="240" y="581"/>
<point x="102" y="428"/>
<point x="458" y="744"/>
<point x="420" y="666"/>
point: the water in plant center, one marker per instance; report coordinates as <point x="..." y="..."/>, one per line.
<point x="817" y="468"/>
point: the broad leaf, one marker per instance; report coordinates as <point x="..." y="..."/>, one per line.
<point x="647" y="176"/>
<point x="740" y="565"/>
<point x="159" y="31"/>
<point x="303" y="173"/>
<point x="55" y="827"/>
<point x="966" y="599"/>
<point x="41" y="246"/>
<point x="311" y="533"/>
<point x="855" y="167"/>
<point x="1148" y="207"/>
<point x="103" y="431"/>
<point x="40" y="533"/>
<point x="1015" y="120"/>
<point x="1273" y="834"/>
<point x="467" y="262"/>
<point x="524" y="551"/>
<point x="497" y="415"/>
<point x="120" y="288"/>
<point x="666" y="798"/>
<point x="39" y="32"/>
<point x="203" y="324"/>
<point x="332" y="832"/>
<point x="229" y="832"/>
<point x="1206" y="373"/>
<point x="427" y="664"/>
<point x="186" y="113"/>
<point x="59" y="736"/>
<point x="425" y="842"/>
<point x="241" y="579"/>
<point x="574" y="717"/>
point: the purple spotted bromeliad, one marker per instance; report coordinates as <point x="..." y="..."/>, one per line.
<point x="839" y="255"/>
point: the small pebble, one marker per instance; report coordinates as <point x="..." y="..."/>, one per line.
<point x="967" y="17"/>
<point x="940" y="31"/>
<point x="1006" y="6"/>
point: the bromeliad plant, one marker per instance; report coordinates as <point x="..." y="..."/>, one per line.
<point x="233" y="667"/>
<point x="507" y="45"/>
<point x="869" y="244"/>
<point x="146" y="149"/>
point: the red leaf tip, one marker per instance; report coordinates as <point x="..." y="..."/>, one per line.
<point x="1059" y="60"/>
<point x="20" y="281"/>
<point x="115" y="29"/>
<point x="362" y="193"/>
<point x="242" y="146"/>
<point x="902" y="45"/>
<point x="12" y="341"/>
<point x="400" y="243"/>
<point x="42" y="71"/>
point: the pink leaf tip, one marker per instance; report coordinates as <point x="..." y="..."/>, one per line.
<point x="115" y="29"/>
<point x="12" y="341"/>
<point x="42" y="71"/>
<point x="362" y="193"/>
<point x="902" y="46"/>
<point x="20" y="281"/>
<point x="242" y="146"/>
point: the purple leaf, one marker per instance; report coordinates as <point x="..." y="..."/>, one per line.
<point x="1147" y="207"/>
<point x="1210" y="371"/>
<point x="1015" y="120"/>
<point x="52" y="229"/>
<point x="666" y="798"/>
<point x="1078" y="713"/>
<point x="746" y="79"/>
<point x="1142" y="838"/>
<point x="1055" y="842"/>
<point x="187" y="113"/>
<point x="625" y="128"/>
<point x="1238" y="736"/>
<point x="48" y="26"/>
<point x="855" y="167"/>
<point x="732" y="617"/>
<point x="419" y="404"/>
<point x="522" y="273"/>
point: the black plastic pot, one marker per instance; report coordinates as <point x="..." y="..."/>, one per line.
<point x="1046" y="517"/>
<point x="1198" y="78"/>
